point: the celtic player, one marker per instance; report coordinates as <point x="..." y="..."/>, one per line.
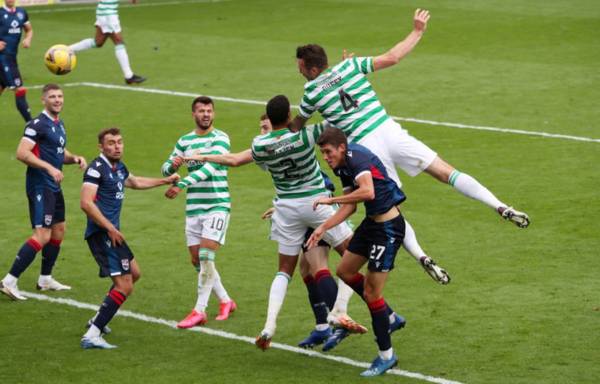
<point x="345" y="98"/>
<point x="108" y="25"/>
<point x="207" y="207"/>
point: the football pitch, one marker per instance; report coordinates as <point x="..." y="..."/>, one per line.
<point x="506" y="91"/>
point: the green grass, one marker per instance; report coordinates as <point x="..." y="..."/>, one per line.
<point x="523" y="305"/>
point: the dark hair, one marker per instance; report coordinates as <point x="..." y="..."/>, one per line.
<point x="332" y="136"/>
<point x="108" y="131"/>
<point x="202" y="100"/>
<point x="50" y="87"/>
<point x="313" y="55"/>
<point x="278" y="110"/>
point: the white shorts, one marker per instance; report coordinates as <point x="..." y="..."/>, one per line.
<point x="293" y="217"/>
<point x="211" y="226"/>
<point x="108" y="23"/>
<point x="395" y="147"/>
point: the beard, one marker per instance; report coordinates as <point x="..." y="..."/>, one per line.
<point x="203" y="124"/>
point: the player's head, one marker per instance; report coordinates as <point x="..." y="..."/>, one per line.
<point x="278" y="111"/>
<point x="312" y="60"/>
<point x="203" y="111"/>
<point x="333" y="144"/>
<point x="265" y="124"/>
<point x="52" y="98"/>
<point x="110" y="143"/>
<point x="9" y="3"/>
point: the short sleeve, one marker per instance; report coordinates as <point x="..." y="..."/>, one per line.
<point x="307" y="108"/>
<point x="33" y="132"/>
<point x="25" y="17"/>
<point x="364" y="64"/>
<point x="359" y="163"/>
<point x="92" y="175"/>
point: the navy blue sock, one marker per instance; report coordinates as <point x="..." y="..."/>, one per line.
<point x="25" y="257"/>
<point x="317" y="304"/>
<point x="381" y="323"/>
<point x="327" y="287"/>
<point x="22" y="105"/>
<point x="49" y="256"/>
<point x="111" y="304"/>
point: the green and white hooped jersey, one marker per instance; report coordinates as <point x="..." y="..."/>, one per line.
<point x="291" y="159"/>
<point x="206" y="183"/>
<point x="107" y="8"/>
<point x="345" y="98"/>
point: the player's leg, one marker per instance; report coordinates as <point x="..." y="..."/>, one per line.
<point x="21" y="103"/>
<point x="123" y="59"/>
<point x="12" y="77"/>
<point x="412" y="246"/>
<point x="470" y="187"/>
<point x="96" y="42"/>
<point x="52" y="248"/>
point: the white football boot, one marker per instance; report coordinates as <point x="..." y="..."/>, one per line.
<point x="11" y="291"/>
<point x="438" y="274"/>
<point x="520" y="219"/>
<point x="47" y="283"/>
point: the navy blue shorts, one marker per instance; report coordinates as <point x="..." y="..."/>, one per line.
<point x="379" y="242"/>
<point x="10" y="77"/>
<point x="46" y="208"/>
<point x="113" y="261"/>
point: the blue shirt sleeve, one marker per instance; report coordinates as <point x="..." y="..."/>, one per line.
<point x="92" y="175"/>
<point x="358" y="162"/>
<point x="34" y="131"/>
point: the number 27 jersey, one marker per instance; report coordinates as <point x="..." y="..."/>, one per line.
<point x="345" y="98"/>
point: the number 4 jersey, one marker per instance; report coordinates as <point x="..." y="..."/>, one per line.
<point x="110" y="179"/>
<point x="345" y="98"/>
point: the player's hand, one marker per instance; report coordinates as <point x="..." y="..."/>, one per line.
<point x="315" y="237"/>
<point x="56" y="174"/>
<point x="321" y="201"/>
<point x="26" y="43"/>
<point x="265" y="125"/>
<point x="346" y="55"/>
<point x="268" y="213"/>
<point x="173" y="179"/>
<point x="176" y="163"/>
<point x="116" y="237"/>
<point x="172" y="192"/>
<point x="2" y="45"/>
<point x="420" y="20"/>
<point x="80" y="160"/>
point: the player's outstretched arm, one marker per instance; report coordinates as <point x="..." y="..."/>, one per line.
<point x="403" y="48"/>
<point x="87" y="204"/>
<point x="71" y="158"/>
<point x="139" y="182"/>
<point x="344" y="212"/>
<point x="228" y="159"/>
<point x="25" y="155"/>
<point x="364" y="192"/>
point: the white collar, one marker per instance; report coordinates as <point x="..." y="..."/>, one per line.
<point x="49" y="115"/>
<point x="107" y="161"/>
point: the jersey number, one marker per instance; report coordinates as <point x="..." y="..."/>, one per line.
<point x="348" y="102"/>
<point x="217" y="223"/>
<point x="290" y="166"/>
<point x="376" y="252"/>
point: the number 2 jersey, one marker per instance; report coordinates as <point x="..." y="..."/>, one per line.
<point x="49" y="138"/>
<point x="110" y="180"/>
<point x="345" y="98"/>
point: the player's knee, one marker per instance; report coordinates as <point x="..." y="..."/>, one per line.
<point x="135" y="275"/>
<point x="343" y="273"/>
<point x="20" y="92"/>
<point x="99" y="42"/>
<point x="42" y="236"/>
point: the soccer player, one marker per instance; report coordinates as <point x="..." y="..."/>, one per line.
<point x="43" y="150"/>
<point x="108" y="25"/>
<point x="102" y="197"/>
<point x="208" y="206"/>
<point x="376" y="240"/>
<point x="13" y="21"/>
<point x="345" y="98"/>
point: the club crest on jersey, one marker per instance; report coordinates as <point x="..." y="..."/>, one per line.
<point x="20" y="15"/>
<point x="48" y="219"/>
<point x="125" y="264"/>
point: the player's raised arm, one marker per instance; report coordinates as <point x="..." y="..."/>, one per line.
<point x="25" y="155"/>
<point x="403" y="48"/>
<point x="87" y="204"/>
<point x="139" y="182"/>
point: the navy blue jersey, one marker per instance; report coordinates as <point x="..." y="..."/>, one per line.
<point x="50" y="139"/>
<point x="360" y="160"/>
<point x="110" y="180"/>
<point x="11" y="29"/>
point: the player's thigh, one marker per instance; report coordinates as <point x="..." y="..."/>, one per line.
<point x="193" y="250"/>
<point x="287" y="226"/>
<point x="123" y="283"/>
<point x="407" y="152"/>
<point x="214" y="229"/>
<point x="100" y="37"/>
<point x="117" y="38"/>
<point x="136" y="273"/>
<point x="287" y="263"/>
<point x="11" y="73"/>
<point x="45" y="208"/>
<point x="58" y="231"/>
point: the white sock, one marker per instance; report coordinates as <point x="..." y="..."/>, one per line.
<point x="386" y="355"/>
<point x="92" y="331"/>
<point x="123" y="60"/>
<point x="276" y="297"/>
<point x="321" y="327"/>
<point x="10" y="280"/>
<point x="410" y="242"/>
<point x="219" y="289"/>
<point x="83" y="45"/>
<point x="343" y="297"/>
<point x="470" y="187"/>
<point x="205" y="284"/>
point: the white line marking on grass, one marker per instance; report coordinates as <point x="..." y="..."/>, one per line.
<point x="233" y="336"/>
<point x="93" y="6"/>
<point x="408" y="119"/>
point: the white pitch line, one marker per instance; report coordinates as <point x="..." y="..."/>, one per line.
<point x="409" y="119"/>
<point x="93" y="7"/>
<point x="233" y="336"/>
